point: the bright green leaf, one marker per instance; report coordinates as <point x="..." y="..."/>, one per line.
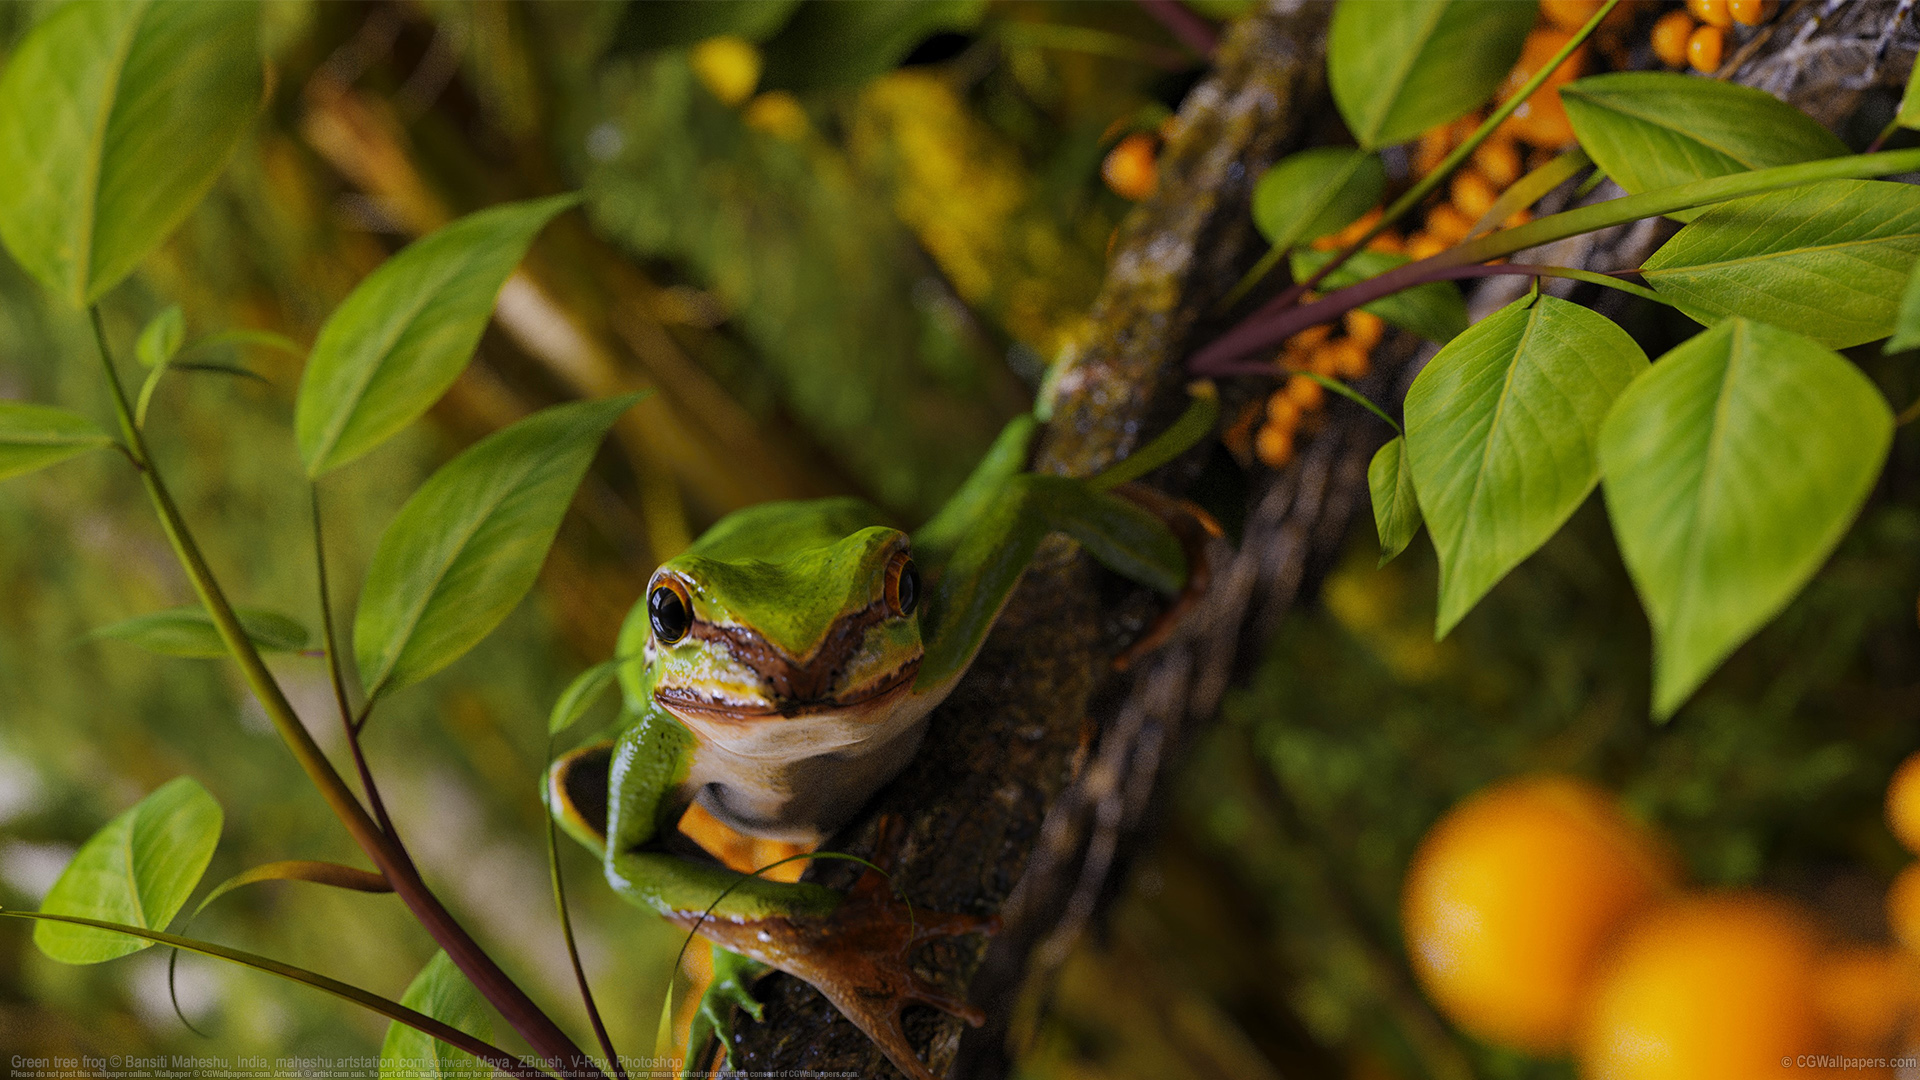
<point x="581" y="694"/>
<point x="138" y="870"/>
<point x="1396" y="509"/>
<point x="1732" y="469"/>
<point x="115" y="117"/>
<point x="1830" y="260"/>
<point x="1906" y="327"/>
<point x="442" y="992"/>
<point x="161" y="338"/>
<point x="467" y="546"/>
<point x="1655" y="129"/>
<point x="35" y="436"/>
<point x="189" y="632"/>
<point x="400" y="339"/>
<point x="1501" y="434"/>
<point x="265" y="339"/>
<point x="1316" y="192"/>
<point x="1434" y="310"/>
<point x="1398" y="67"/>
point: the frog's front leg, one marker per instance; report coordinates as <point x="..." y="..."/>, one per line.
<point x="622" y="798"/>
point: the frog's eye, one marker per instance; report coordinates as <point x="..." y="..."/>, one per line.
<point x="670" y="611"/>
<point x="903" y="584"/>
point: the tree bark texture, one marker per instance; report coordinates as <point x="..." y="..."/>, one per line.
<point x="1044" y="770"/>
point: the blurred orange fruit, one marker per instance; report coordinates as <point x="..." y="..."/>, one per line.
<point x="1863" y="992"/>
<point x="1750" y="12"/>
<point x="1903" y="803"/>
<point x="1903" y="907"/>
<point x="1130" y="169"/>
<point x="1512" y="898"/>
<point x="1705" y="987"/>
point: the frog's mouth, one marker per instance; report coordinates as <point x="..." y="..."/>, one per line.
<point x="871" y="697"/>
<point x="764" y="681"/>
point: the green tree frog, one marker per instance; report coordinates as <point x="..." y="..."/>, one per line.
<point x="781" y="670"/>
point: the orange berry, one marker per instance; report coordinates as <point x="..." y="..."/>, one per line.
<point x="1704" y="48"/>
<point x="1305" y="393"/>
<point x="1472" y="195"/>
<point x="1520" y="217"/>
<point x="1282" y="410"/>
<point x="1541" y="119"/>
<point x="1447" y="223"/>
<point x="1130" y="169"/>
<point x="1310" y="338"/>
<point x="1903" y="803"/>
<point x="778" y="113"/>
<point x="1711" y="12"/>
<point x="1621" y="17"/>
<point x="1903" y="907"/>
<point x="1364" y="328"/>
<point x="1569" y="14"/>
<point x="1670" y="36"/>
<point x="1750" y="12"/>
<point x="1348" y="360"/>
<point x="1274" y="447"/>
<point x="1326" y="360"/>
<point x="1512" y="897"/>
<point x="1713" y="986"/>
<point x="1862" y="992"/>
<point x="1498" y="161"/>
<point x="1433" y="149"/>
<point x="1388" y="241"/>
<point x="1425" y="246"/>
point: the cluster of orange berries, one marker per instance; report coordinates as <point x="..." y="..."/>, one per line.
<point x="1697" y="37"/>
<point x="1538" y="915"/>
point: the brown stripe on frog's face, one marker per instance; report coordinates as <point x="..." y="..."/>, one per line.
<point x="735" y="685"/>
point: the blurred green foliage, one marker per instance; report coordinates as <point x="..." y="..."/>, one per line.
<point x="869" y="263"/>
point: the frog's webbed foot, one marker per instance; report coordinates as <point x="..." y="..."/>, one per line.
<point x="1194" y="527"/>
<point x="733" y="977"/>
<point x="859" y="957"/>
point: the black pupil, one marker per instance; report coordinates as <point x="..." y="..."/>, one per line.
<point x="669" y="615"/>
<point x="909" y="588"/>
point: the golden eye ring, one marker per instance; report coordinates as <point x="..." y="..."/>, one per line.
<point x="903" y="585"/>
<point x="669" y="610"/>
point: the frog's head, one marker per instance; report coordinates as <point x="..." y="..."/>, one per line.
<point x="789" y="656"/>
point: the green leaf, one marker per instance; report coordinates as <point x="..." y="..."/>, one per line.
<point x="1398" y="67"/>
<point x="308" y="870"/>
<point x="1906" y="326"/>
<point x="581" y="694"/>
<point x="1434" y="310"/>
<point x="138" y="870"/>
<point x="265" y="339"/>
<point x="400" y="339"/>
<point x="115" y="117"/>
<point x="1316" y="192"/>
<point x="189" y="631"/>
<point x="1655" y="129"/>
<point x="161" y="338"/>
<point x="467" y="546"/>
<point x="1829" y="260"/>
<point x="1501" y="434"/>
<point x="1396" y="509"/>
<point x="35" y="436"/>
<point x="442" y="992"/>
<point x="1732" y="468"/>
<point x="373" y="1002"/>
<point x="158" y="344"/>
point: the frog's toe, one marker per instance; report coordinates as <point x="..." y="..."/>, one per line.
<point x="733" y="978"/>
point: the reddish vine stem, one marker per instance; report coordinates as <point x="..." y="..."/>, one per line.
<point x="520" y="1011"/>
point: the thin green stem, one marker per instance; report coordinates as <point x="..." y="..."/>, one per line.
<point x="535" y="1026"/>
<point x="386" y="1007"/>
<point x="1279" y="319"/>
<point x="573" y="947"/>
<point x="1448" y="164"/>
<point x="1355" y="396"/>
<point x="338" y="678"/>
